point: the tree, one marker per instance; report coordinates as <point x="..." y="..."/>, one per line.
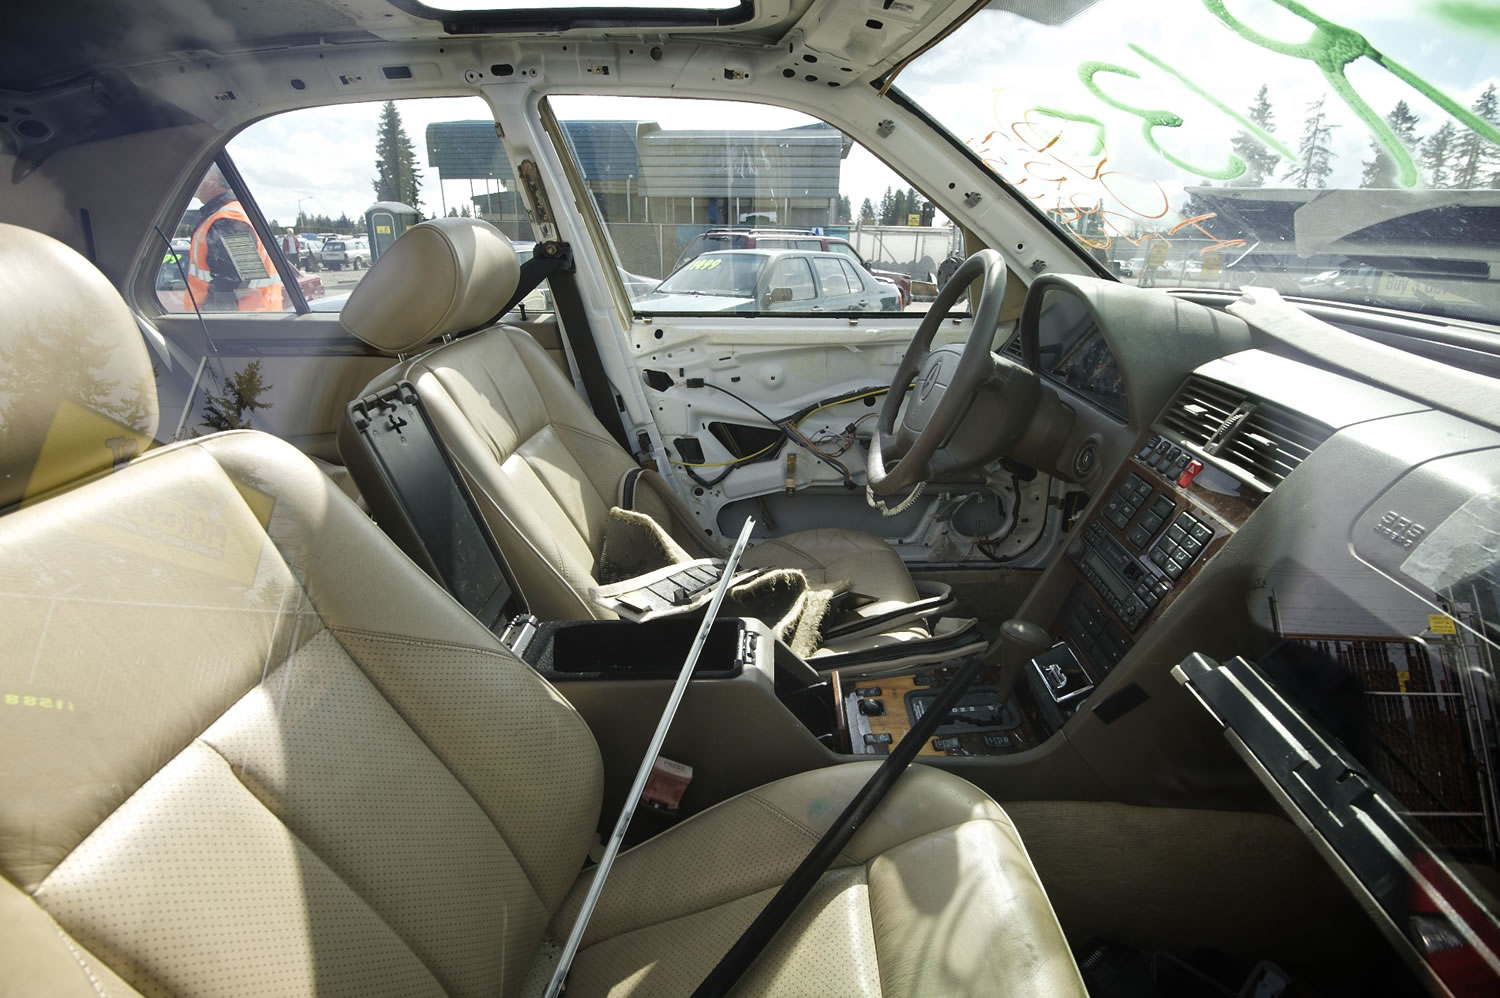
<point x="1473" y="157"/>
<point x="1437" y="152"/>
<point x="463" y="211"/>
<point x="1380" y="171"/>
<point x="845" y="212"/>
<point x="1260" y="162"/>
<point x="452" y="212"/>
<point x="887" y="208"/>
<point x="231" y="408"/>
<point x="898" y="209"/>
<point x="867" y="213"/>
<point x="396" y="160"/>
<point x="1315" y="156"/>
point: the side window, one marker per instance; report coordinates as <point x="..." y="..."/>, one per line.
<point x="216" y="261"/>
<point x="793" y="272"/>
<point x="337" y="186"/>
<point x="670" y="181"/>
<point x="831" y="276"/>
<point x="856" y="282"/>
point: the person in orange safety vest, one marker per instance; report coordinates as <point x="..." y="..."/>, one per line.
<point x="228" y="270"/>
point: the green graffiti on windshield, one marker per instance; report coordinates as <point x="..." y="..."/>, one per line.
<point x="1480" y="16"/>
<point x="1260" y="133"/>
<point x="1152" y="119"/>
<point x="1332" y="47"/>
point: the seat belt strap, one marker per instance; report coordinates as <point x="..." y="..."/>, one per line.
<point x="783" y="903"/>
<point x="580" y="336"/>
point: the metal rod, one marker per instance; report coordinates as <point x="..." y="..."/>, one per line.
<point x="633" y="798"/>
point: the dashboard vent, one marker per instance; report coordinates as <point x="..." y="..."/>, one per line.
<point x="1013" y="348"/>
<point x="1263" y="438"/>
<point x="1272" y="441"/>
<point x="1201" y="407"/>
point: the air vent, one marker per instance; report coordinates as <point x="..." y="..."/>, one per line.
<point x="1200" y="408"/>
<point x="1013" y="347"/>
<point x="1272" y="441"/>
<point x="1261" y="438"/>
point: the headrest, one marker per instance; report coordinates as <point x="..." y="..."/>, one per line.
<point x="440" y="277"/>
<point x="77" y="393"/>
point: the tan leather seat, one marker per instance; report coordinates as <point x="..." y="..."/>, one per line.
<point x="249" y="748"/>
<point x="543" y="468"/>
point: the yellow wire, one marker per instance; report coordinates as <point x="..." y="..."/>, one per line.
<point x="725" y="464"/>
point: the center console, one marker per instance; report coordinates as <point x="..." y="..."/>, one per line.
<point x="1164" y="516"/>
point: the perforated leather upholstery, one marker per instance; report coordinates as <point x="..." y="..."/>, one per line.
<point x="542" y="467"/>
<point x="249" y="749"/>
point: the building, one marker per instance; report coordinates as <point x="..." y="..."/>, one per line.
<point x="641" y="173"/>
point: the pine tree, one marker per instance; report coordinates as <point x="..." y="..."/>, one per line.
<point x="1474" y="159"/>
<point x="231" y="408"/>
<point x="1315" y="157"/>
<point x="1437" y="153"/>
<point x="1380" y="170"/>
<point x="1260" y="162"/>
<point x="463" y="212"/>
<point x="399" y="180"/>
<point x="867" y="213"/>
<point x="845" y="212"/>
<point x="887" y="208"/>
<point x="898" y="209"/>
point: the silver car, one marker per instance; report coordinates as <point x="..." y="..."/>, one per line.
<point x="757" y="280"/>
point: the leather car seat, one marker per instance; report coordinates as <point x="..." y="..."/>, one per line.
<point x="249" y="748"/>
<point x="542" y="467"/>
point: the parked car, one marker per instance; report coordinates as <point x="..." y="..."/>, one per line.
<point x="802" y="239"/>
<point x="351" y="251"/>
<point x="780" y="280"/>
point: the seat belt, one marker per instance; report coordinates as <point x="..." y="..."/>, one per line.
<point x="554" y="261"/>
<point x="784" y="903"/>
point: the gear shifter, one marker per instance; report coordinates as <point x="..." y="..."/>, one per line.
<point x="1020" y="641"/>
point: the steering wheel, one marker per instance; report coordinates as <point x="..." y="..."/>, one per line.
<point x="945" y="382"/>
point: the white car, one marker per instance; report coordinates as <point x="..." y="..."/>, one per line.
<point x="353" y="251"/>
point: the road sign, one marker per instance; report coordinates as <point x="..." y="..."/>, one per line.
<point x="1158" y="254"/>
<point x="1439" y="623"/>
<point x="914" y="219"/>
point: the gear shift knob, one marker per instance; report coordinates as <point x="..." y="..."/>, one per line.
<point x="1026" y="635"/>
<point x="1020" y="641"/>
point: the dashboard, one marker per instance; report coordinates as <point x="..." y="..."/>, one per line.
<point x="1071" y="351"/>
<point x="1331" y="538"/>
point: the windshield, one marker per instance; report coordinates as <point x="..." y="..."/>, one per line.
<point x="732" y="274"/>
<point x="1336" y="150"/>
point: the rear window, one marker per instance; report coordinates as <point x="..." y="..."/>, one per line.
<point x="831" y="276"/>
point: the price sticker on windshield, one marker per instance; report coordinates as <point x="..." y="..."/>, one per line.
<point x="708" y="264"/>
<point x="1439" y="623"/>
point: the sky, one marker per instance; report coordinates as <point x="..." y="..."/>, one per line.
<point x="978" y="81"/>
